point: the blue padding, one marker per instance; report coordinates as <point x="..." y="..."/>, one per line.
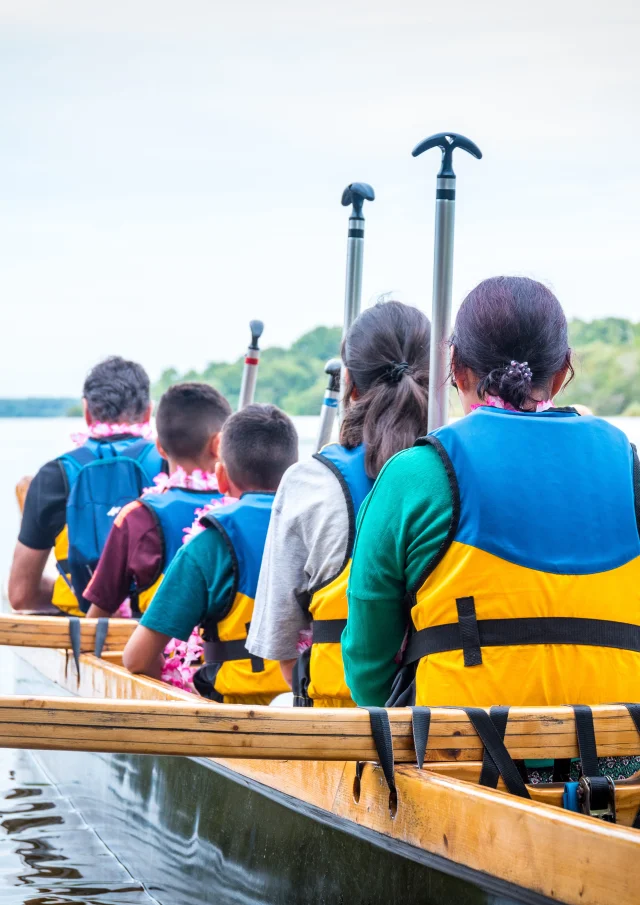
<point x="570" y="797"/>
<point x="350" y="464"/>
<point x="175" y="509"/>
<point x="551" y="491"/>
<point x="245" y="525"/>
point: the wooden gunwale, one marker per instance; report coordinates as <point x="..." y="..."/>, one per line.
<point x="53" y="632"/>
<point x="538" y="848"/>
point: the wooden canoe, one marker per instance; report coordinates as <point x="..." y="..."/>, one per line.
<point x="458" y="840"/>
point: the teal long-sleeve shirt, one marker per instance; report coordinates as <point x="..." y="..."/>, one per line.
<point x="402" y="526"/>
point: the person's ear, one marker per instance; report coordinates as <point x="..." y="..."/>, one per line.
<point x="347" y="382"/>
<point x="161" y="450"/>
<point x="147" y="415"/>
<point x="214" y="446"/>
<point x="87" y="414"/>
<point x="558" y="380"/>
<point x="223" y="478"/>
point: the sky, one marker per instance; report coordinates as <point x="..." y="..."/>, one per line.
<point x="169" y="171"/>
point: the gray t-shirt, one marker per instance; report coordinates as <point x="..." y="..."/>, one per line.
<point x="306" y="546"/>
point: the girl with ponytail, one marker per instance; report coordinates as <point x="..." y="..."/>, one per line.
<point x="498" y="561"/>
<point x="301" y="605"/>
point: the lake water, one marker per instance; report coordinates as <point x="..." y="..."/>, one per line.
<point x="26" y="443"/>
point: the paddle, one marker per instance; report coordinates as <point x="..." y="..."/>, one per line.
<point x="251" y="362"/>
<point x="329" y="403"/>
<point x="443" y="269"/>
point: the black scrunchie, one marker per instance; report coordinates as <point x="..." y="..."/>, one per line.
<point x="396" y="371"/>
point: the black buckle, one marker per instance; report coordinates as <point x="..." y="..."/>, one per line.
<point x="596" y="799"/>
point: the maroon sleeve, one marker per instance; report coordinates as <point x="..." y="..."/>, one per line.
<point x="133" y="552"/>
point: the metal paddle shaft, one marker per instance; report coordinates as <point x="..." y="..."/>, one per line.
<point x="355" y="194"/>
<point x="251" y="362"/>
<point x="443" y="269"/>
<point x="329" y="403"/>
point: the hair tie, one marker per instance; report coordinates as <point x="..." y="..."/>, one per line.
<point x="520" y="369"/>
<point x="396" y="370"/>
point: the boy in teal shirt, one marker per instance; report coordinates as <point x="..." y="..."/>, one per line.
<point x="212" y="579"/>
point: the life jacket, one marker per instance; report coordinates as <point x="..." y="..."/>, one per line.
<point x="174" y="510"/>
<point x="102" y="477"/>
<point x="319" y="673"/>
<point x="231" y="674"/>
<point x="534" y="600"/>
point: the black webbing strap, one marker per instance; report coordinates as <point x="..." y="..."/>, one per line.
<point x="420" y="722"/>
<point x="102" y="629"/>
<point x="383" y="741"/>
<point x="634" y="713"/>
<point x="489" y="775"/>
<point x="586" y="740"/>
<point x="495" y="748"/>
<point x="223" y="651"/>
<point x="469" y="637"/>
<point x="440" y="639"/>
<point x="328" y="631"/>
<point x="561" y="769"/>
<point x="74" y="638"/>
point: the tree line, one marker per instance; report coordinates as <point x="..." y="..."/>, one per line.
<point x="606" y="360"/>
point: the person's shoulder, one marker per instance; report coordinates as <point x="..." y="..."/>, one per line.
<point x="307" y="484"/>
<point x="413" y="462"/>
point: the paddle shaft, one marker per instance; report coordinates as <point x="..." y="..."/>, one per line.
<point x="441" y="304"/>
<point x="329" y="403"/>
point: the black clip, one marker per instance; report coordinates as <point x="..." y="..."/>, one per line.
<point x="597" y="797"/>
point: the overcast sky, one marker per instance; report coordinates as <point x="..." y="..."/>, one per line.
<point x="169" y="170"/>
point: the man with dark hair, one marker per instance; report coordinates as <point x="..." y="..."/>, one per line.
<point x="148" y="532"/>
<point x="117" y="409"/>
<point x="212" y="580"/>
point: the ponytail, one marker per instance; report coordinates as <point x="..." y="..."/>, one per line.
<point x="386" y="352"/>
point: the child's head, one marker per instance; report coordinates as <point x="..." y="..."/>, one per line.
<point x="259" y="443"/>
<point x="189" y="420"/>
<point x="510" y="340"/>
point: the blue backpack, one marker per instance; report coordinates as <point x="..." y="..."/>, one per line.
<point x="103" y="477"/>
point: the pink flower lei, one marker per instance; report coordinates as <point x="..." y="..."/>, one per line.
<point x="99" y="430"/>
<point x="496" y="402"/>
<point x="196" y="480"/>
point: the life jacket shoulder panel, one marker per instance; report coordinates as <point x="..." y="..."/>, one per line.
<point x="174" y="510"/>
<point x="323" y="672"/>
<point x="540" y="577"/>
<point x="231" y="672"/>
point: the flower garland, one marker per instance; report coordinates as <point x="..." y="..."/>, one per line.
<point x="496" y="402"/>
<point x="184" y="658"/>
<point x="196" y="480"/>
<point x="99" y="430"/>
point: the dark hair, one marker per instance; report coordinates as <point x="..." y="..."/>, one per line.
<point x="117" y="390"/>
<point x="387" y="353"/>
<point x="511" y="332"/>
<point x="188" y="416"/>
<point x="259" y="443"/>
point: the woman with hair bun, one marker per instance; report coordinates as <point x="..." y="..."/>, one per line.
<point x="301" y="604"/>
<point x="498" y="561"/>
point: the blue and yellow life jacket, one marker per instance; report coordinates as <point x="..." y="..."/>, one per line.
<point x="231" y="674"/>
<point x="174" y="510"/>
<point x="319" y="674"/>
<point x="102" y="476"/>
<point x="535" y="598"/>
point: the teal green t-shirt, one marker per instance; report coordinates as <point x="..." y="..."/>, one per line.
<point x="402" y="526"/>
<point x="198" y="586"/>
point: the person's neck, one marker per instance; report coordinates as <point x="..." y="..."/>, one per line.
<point x="207" y="466"/>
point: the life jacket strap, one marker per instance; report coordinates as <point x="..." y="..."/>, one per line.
<point x="225" y="651"/>
<point x="328" y="631"/>
<point x="472" y="636"/>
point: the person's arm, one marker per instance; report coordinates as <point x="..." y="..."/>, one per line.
<point x="286" y="668"/>
<point x="42" y="520"/>
<point x="305" y="546"/>
<point x="201" y="571"/>
<point x="401" y="527"/>
<point x="143" y="653"/>
<point x="94" y="612"/>
<point x="29" y="590"/>
<point x="132" y="554"/>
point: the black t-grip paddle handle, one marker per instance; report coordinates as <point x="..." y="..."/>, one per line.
<point x="447" y="142"/>
<point x="356" y="194"/>
<point x="256" y="328"/>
